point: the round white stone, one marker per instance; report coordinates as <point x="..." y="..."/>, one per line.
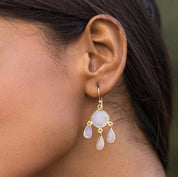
<point x="100" y="118"/>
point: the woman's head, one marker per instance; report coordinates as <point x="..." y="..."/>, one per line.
<point x="54" y="54"/>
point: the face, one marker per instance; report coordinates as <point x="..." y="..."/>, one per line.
<point x="39" y="101"/>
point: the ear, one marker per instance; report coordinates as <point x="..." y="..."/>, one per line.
<point x="106" y="45"/>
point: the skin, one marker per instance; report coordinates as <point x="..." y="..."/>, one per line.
<point x="44" y="106"/>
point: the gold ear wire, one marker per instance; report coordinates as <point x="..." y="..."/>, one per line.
<point x="100" y="105"/>
<point x="99" y="92"/>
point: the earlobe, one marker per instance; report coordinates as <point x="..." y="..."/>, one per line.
<point x="107" y="49"/>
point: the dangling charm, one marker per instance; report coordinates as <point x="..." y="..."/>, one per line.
<point x="111" y="134"/>
<point x="100" y="142"/>
<point x="100" y="119"/>
<point x="88" y="130"/>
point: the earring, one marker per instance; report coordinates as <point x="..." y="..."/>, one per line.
<point x="100" y="119"/>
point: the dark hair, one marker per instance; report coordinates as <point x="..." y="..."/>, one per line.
<point x="147" y="71"/>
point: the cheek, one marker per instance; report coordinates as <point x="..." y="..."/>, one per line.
<point x="38" y="117"/>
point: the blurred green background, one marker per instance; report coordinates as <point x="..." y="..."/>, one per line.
<point x="169" y="15"/>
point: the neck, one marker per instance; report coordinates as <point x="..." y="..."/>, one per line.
<point x="130" y="155"/>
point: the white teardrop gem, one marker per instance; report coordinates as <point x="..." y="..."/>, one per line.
<point x="111" y="136"/>
<point x="100" y="118"/>
<point x="87" y="132"/>
<point x="100" y="143"/>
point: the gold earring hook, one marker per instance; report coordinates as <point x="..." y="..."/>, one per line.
<point x="100" y="105"/>
<point x="99" y="96"/>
